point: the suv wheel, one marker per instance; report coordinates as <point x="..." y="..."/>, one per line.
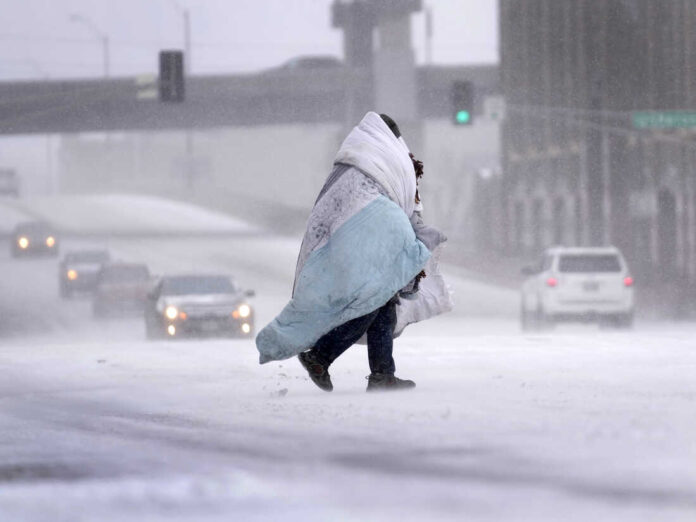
<point x="544" y="322"/>
<point x="527" y="322"/>
<point x="623" y="321"/>
<point x="65" y="292"/>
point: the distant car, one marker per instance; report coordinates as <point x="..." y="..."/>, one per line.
<point x="77" y="272"/>
<point x="197" y="306"/>
<point x="578" y="284"/>
<point x="121" y="288"/>
<point x="9" y="183"/>
<point x="317" y="62"/>
<point x="34" y="238"/>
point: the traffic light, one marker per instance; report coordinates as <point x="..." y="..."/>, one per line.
<point x="171" y="76"/>
<point x="463" y="102"/>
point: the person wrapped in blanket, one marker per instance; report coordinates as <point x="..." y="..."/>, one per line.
<point x="368" y="265"/>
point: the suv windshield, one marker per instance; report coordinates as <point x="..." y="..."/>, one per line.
<point x="589" y="263"/>
<point x="197" y="285"/>
<point x="125" y="274"/>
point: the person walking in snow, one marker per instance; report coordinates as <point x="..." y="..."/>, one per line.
<point x="361" y="265"/>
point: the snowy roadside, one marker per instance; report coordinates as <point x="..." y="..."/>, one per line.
<point x="120" y="214"/>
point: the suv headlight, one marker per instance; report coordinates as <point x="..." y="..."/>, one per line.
<point x="244" y="310"/>
<point x="171" y="312"/>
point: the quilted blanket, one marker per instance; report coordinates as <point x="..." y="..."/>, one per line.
<point x="359" y="247"/>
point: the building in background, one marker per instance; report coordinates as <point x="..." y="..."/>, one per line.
<point x="578" y="167"/>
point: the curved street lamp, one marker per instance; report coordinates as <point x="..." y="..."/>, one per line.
<point x="103" y="37"/>
<point x="187" y="34"/>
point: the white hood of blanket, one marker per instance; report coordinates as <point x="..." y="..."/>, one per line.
<point x="373" y="148"/>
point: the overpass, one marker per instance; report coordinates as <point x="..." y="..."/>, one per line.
<point x="277" y="96"/>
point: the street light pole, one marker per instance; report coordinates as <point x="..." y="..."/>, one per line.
<point x="187" y="42"/>
<point x="103" y="37"/>
<point x="428" y="36"/>
<point x="187" y="34"/>
<point x="52" y="186"/>
<point x="189" y="169"/>
<point x="105" y="52"/>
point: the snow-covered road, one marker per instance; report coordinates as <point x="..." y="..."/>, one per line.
<point x="98" y="424"/>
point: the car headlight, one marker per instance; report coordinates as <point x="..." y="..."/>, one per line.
<point x="72" y="274"/>
<point x="50" y="241"/>
<point x="23" y="242"/>
<point x="171" y="312"/>
<point x="244" y="310"/>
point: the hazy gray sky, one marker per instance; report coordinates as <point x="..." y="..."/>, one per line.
<point x="38" y="39"/>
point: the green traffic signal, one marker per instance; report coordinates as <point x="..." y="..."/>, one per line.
<point x="463" y="117"/>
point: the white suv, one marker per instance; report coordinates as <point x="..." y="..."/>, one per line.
<point x="578" y="284"/>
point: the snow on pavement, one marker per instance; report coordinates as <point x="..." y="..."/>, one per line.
<point x="573" y="424"/>
<point x="501" y="427"/>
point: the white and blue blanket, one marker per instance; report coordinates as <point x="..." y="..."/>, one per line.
<point x="359" y="248"/>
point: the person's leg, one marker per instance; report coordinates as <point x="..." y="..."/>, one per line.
<point x="380" y="345"/>
<point x="327" y="349"/>
<point x="334" y="343"/>
<point x="380" y="340"/>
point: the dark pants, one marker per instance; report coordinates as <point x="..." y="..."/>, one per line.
<point x="379" y="326"/>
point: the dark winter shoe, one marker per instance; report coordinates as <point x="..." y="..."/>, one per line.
<point x="317" y="371"/>
<point x="387" y="382"/>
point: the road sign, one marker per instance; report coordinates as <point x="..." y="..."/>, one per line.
<point x="146" y="87"/>
<point x="664" y="120"/>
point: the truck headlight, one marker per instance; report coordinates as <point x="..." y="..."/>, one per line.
<point x="23" y="242"/>
<point x="171" y="312"/>
<point x="50" y="241"/>
<point x="72" y="274"/>
<point x="244" y="310"/>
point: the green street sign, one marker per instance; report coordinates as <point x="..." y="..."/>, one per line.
<point x="664" y="120"/>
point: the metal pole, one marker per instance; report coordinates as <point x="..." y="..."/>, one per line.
<point x="99" y="34"/>
<point x="191" y="174"/>
<point x="105" y="50"/>
<point x="52" y="188"/>
<point x="428" y="36"/>
<point x="187" y="42"/>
